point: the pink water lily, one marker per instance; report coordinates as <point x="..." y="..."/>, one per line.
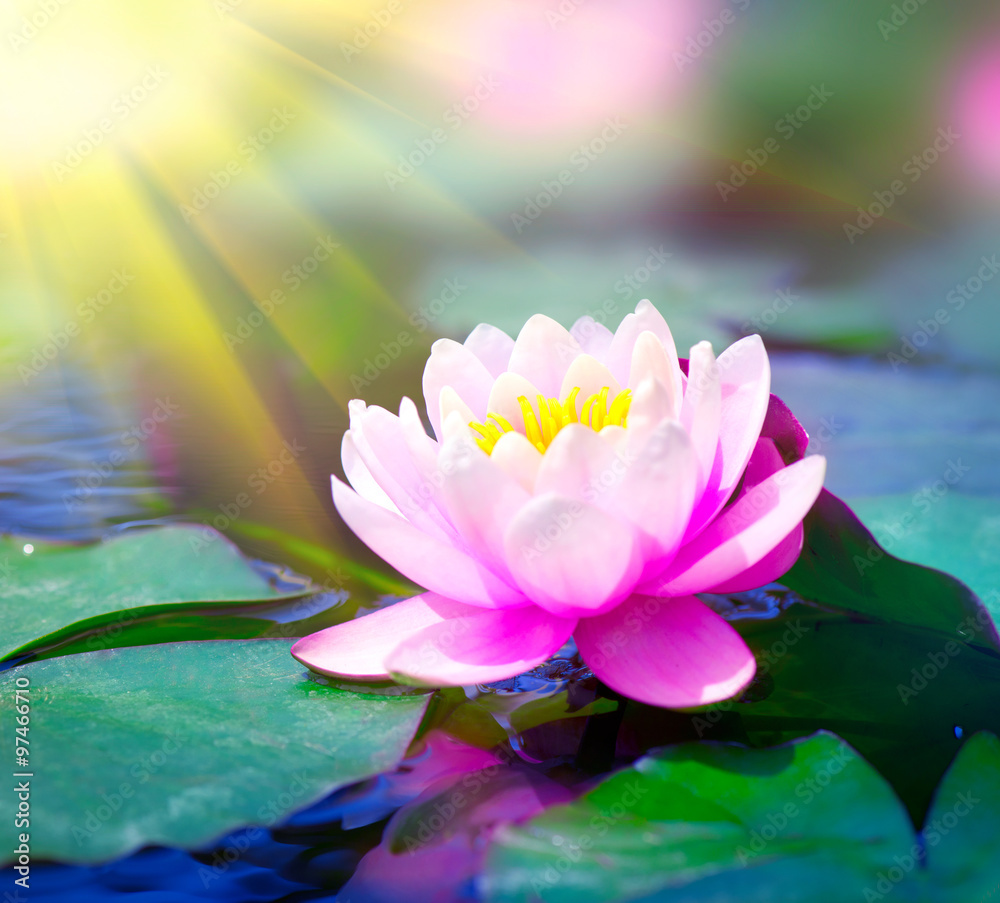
<point x="584" y="484"/>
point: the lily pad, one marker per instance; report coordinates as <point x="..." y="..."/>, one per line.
<point x="808" y="821"/>
<point x="177" y="744"/>
<point x="904" y="697"/>
<point x="956" y="533"/>
<point x="842" y="566"/>
<point x="51" y="591"/>
<point x="710" y="821"/>
<point x="962" y="827"/>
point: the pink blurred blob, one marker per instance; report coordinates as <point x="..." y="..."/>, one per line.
<point x="558" y="67"/>
<point x="977" y="113"/>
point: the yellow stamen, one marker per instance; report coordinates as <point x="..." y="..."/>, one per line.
<point x="552" y="415"/>
<point x="531" y="428"/>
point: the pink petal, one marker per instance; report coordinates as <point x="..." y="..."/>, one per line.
<point x="482" y="500"/>
<point x="746" y="389"/>
<point x="359" y="648"/>
<point x="594" y="338"/>
<point x="360" y="477"/>
<point x="672" y="652"/>
<point x="702" y="408"/>
<point x="781" y="425"/>
<point x="426" y="560"/>
<point x="451" y="364"/>
<point x="422" y="449"/>
<point x="381" y="442"/>
<point x="656" y="491"/>
<point x="651" y="404"/>
<point x="645" y="319"/>
<point x="479" y="647"/>
<point x="492" y="346"/>
<point x="773" y="566"/>
<point x="571" y="558"/>
<point x="651" y="360"/>
<point x="765" y="460"/>
<point x="747" y="530"/>
<point x="542" y="353"/>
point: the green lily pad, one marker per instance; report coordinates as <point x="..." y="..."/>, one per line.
<point x="179" y="743"/>
<point x="959" y="534"/>
<point x="843" y="567"/>
<point x="808" y="821"/>
<point x="710" y="822"/>
<point x="55" y="591"/>
<point x="903" y="697"/>
<point x="962" y="827"/>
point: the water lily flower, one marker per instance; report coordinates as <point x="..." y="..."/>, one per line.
<point x="581" y="483"/>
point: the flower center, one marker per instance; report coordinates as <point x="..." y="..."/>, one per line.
<point x="553" y="415"/>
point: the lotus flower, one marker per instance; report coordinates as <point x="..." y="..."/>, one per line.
<point x="584" y="484"/>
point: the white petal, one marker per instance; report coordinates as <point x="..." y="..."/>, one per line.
<point x="590" y="375"/>
<point x="504" y="394"/>
<point x="452" y="364"/>
<point x="594" y="338"/>
<point x="482" y="500"/>
<point x="651" y="359"/>
<point x="645" y="319"/>
<point x="701" y="409"/>
<point x="651" y="405"/>
<point x="518" y="458"/>
<point x="571" y="558"/>
<point x="360" y="477"/>
<point x="542" y="353"/>
<point x="579" y="464"/>
<point x="492" y="346"/>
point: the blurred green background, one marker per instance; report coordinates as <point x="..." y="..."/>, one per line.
<point x="220" y="221"/>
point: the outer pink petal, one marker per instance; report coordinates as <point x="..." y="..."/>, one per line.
<point x="746" y="531"/>
<point x="360" y="477"/>
<point x="594" y="338"/>
<point x="765" y="460"/>
<point x="452" y="364"/>
<point x="645" y="319"/>
<point x="479" y="647"/>
<point x="426" y="560"/>
<point x="542" y="353"/>
<point x="773" y="566"/>
<point x="571" y="558"/>
<point x="407" y="479"/>
<point x="492" y="346"/>
<point x="359" y="648"/>
<point x="672" y="652"/>
<point x="746" y="388"/>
